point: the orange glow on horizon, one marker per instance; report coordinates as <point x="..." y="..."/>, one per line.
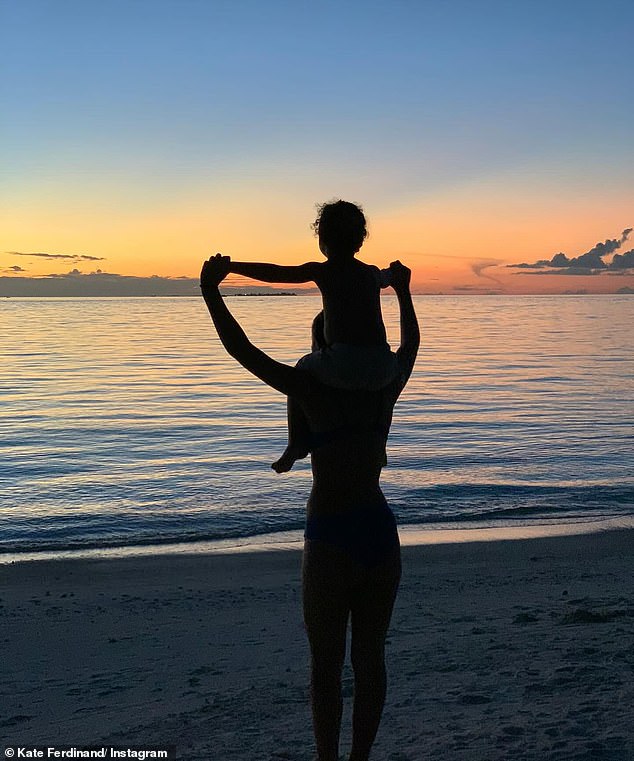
<point x="457" y="242"/>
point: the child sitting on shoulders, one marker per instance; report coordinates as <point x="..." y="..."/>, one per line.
<point x="356" y="354"/>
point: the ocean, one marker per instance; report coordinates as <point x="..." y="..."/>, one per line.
<point x="124" y="422"/>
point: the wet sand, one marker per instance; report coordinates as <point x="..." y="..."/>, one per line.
<point x="498" y="650"/>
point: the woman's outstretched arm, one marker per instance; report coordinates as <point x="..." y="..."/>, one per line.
<point x="281" y="377"/>
<point x="410" y="332"/>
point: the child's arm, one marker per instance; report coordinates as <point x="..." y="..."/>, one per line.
<point x="276" y="273"/>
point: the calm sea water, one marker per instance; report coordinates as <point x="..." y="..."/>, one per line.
<point x="124" y="422"/>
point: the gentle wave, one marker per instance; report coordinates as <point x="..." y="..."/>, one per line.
<point x="467" y="504"/>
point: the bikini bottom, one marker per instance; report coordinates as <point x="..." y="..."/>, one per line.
<point x="367" y="534"/>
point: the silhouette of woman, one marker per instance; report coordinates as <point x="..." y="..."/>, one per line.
<point x="351" y="563"/>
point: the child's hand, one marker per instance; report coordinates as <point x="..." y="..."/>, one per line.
<point x="214" y="271"/>
<point x="401" y="276"/>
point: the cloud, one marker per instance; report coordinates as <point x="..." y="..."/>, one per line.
<point x="564" y="271"/>
<point x="72" y="257"/>
<point x="623" y="261"/>
<point x="14" y="268"/>
<point x="480" y="265"/>
<point x="590" y="263"/>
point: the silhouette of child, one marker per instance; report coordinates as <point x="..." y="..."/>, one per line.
<point x="352" y="352"/>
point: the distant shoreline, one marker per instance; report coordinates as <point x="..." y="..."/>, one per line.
<point x="282" y="293"/>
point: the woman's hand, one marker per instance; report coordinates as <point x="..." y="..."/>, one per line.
<point x="214" y="271"/>
<point x="400" y="276"/>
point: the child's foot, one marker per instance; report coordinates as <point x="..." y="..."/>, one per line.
<point x="288" y="459"/>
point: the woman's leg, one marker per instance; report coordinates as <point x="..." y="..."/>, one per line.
<point x="326" y="610"/>
<point x="371" y="611"/>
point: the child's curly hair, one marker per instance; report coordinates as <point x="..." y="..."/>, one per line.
<point x="341" y="227"/>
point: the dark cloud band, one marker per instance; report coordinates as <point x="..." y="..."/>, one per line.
<point x="590" y="263"/>
<point x="72" y="257"/>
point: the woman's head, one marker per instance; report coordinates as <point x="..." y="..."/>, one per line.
<point x="341" y="228"/>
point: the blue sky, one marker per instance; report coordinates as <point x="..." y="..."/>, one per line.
<point x="132" y="104"/>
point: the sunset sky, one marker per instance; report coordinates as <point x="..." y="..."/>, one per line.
<point x="140" y="136"/>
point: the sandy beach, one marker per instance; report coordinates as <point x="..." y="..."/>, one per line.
<point x="498" y="650"/>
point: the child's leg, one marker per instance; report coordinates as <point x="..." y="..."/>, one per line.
<point x="298" y="438"/>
